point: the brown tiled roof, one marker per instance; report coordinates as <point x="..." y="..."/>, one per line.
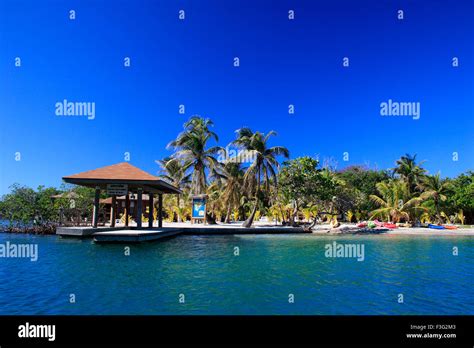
<point x="123" y="173"/>
<point x="119" y="171"/>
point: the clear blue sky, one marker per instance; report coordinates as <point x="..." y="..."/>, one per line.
<point x="190" y="62"/>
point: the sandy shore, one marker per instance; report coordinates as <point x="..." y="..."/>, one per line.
<point x="325" y="229"/>
<point x="351" y="229"/>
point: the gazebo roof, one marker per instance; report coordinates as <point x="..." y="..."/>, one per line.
<point x="121" y="173"/>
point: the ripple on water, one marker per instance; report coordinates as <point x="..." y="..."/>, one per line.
<point x="258" y="281"/>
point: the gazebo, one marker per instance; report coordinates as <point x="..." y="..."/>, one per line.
<point x="121" y="179"/>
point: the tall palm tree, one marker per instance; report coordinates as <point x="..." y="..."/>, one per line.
<point x="410" y="171"/>
<point x="174" y="172"/>
<point x="191" y="148"/>
<point x="264" y="165"/>
<point x="215" y="203"/>
<point x="232" y="176"/>
<point x="395" y="202"/>
<point x="436" y="189"/>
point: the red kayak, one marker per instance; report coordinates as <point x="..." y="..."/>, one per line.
<point x="450" y="227"/>
<point x="391" y="226"/>
<point x="362" y="224"/>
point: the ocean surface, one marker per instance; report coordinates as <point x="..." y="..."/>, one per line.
<point x="270" y="271"/>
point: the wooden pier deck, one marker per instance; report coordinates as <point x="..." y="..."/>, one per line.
<point x="135" y="235"/>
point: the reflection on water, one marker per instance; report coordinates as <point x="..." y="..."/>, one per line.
<point x="258" y="281"/>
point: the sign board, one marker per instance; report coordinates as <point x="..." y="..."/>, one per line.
<point x="117" y="189"/>
<point x="199" y="208"/>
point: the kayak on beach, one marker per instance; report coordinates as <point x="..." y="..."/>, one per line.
<point x="376" y="224"/>
<point x="450" y="227"/>
<point x="389" y="225"/>
<point x="436" y="227"/>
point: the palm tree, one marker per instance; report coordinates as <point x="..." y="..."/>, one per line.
<point x="409" y="171"/>
<point x="436" y="189"/>
<point x="174" y="172"/>
<point x="232" y="176"/>
<point x="395" y="202"/>
<point x="264" y="164"/>
<point x="191" y="149"/>
<point x="460" y="217"/>
<point x="215" y="203"/>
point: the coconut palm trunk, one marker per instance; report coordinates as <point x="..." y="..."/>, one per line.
<point x="249" y="221"/>
<point x="294" y="214"/>
<point x="282" y="213"/>
<point x="178" y="201"/>
<point x="263" y="161"/>
<point x="227" y="215"/>
<point x="436" y="204"/>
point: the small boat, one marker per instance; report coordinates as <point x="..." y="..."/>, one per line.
<point x="436" y="227"/>
<point x="400" y="224"/>
<point x="362" y="224"/>
<point x="450" y="227"/>
<point x="389" y="225"/>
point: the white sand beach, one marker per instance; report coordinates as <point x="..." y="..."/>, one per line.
<point x="351" y="228"/>
<point x="325" y="229"/>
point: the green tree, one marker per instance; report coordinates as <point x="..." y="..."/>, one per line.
<point x="435" y="189"/>
<point x="262" y="171"/>
<point x="46" y="211"/>
<point x="463" y="195"/>
<point x="232" y="175"/>
<point x="76" y="203"/>
<point x="191" y="147"/>
<point x="174" y="171"/>
<point x="410" y="171"/>
<point x="395" y="202"/>
<point x="359" y="185"/>
<point x="304" y="184"/>
<point x="25" y="206"/>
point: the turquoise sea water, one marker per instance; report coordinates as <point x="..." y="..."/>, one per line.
<point x="258" y="281"/>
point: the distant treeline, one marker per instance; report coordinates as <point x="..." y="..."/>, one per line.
<point x="254" y="183"/>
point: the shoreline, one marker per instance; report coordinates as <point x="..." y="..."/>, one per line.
<point x="349" y="229"/>
<point x="318" y="230"/>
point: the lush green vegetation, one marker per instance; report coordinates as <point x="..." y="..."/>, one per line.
<point x="301" y="189"/>
<point x="260" y="180"/>
<point x="25" y="207"/>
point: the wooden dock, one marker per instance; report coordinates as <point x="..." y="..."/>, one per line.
<point x="135" y="235"/>
<point x="229" y="230"/>
<point x="84" y="231"/>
